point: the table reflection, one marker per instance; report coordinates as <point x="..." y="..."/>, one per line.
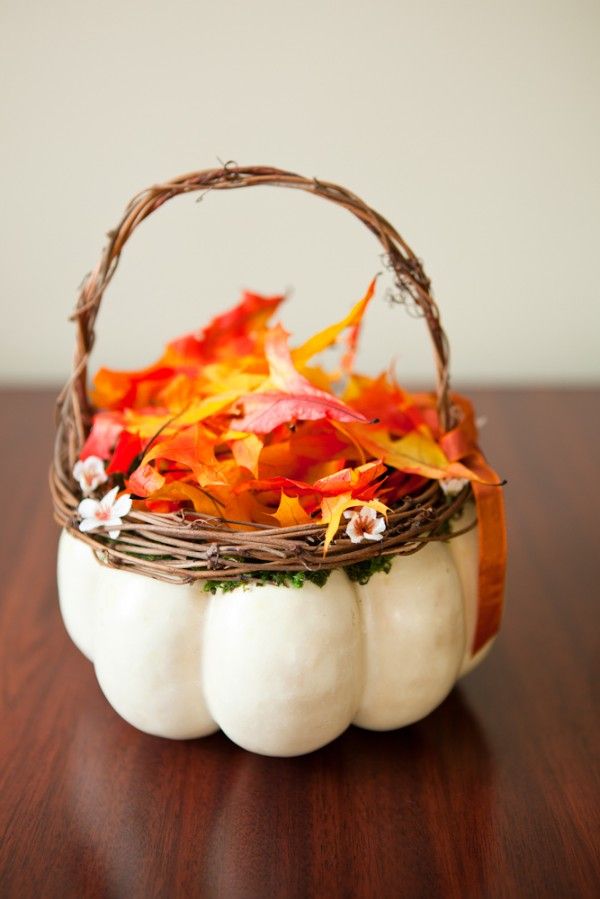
<point x="218" y="820"/>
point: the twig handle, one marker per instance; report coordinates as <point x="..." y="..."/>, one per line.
<point x="409" y="275"/>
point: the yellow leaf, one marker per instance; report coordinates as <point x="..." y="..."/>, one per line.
<point x="333" y="507"/>
<point x="246" y="452"/>
<point x="416" y="453"/>
<point x="146" y="424"/>
<point x="421" y="450"/>
<point x="290" y="512"/>
<point x="327" y="336"/>
<point x="176" y="394"/>
<point x="179" y="491"/>
<point x="202" y="409"/>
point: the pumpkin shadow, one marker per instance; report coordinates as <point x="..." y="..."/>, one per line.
<point x="223" y="821"/>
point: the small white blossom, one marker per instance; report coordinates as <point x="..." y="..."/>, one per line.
<point x="105" y="513"/>
<point x="453" y="486"/>
<point x="90" y="473"/>
<point x="364" y="524"/>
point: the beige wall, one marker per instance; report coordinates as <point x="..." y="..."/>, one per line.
<point x="473" y="126"/>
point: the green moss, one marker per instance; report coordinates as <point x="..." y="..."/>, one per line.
<point x="295" y="579"/>
<point x="223" y="586"/>
<point x="360" y="572"/>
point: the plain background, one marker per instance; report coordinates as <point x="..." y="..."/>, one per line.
<point x="472" y="126"/>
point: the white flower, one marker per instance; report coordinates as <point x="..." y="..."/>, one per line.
<point x="90" y="473"/>
<point x="453" y="486"/>
<point x="105" y="513"/>
<point x="364" y="524"/>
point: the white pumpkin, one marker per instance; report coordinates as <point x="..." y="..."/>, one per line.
<point x="281" y="670"/>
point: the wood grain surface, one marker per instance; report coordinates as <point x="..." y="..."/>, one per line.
<point x="493" y="795"/>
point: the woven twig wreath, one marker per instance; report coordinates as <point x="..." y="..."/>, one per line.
<point x="185" y="546"/>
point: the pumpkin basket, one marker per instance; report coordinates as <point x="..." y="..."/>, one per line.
<point x="160" y="563"/>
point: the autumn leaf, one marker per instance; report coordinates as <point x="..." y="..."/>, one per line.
<point x="128" y="447"/>
<point x="415" y="453"/>
<point x="283" y="374"/>
<point x="232" y="333"/>
<point x="265" y="411"/>
<point x="332" y="509"/>
<point x="123" y="389"/>
<point x="144" y="481"/>
<point x="383" y="399"/>
<point x="146" y="422"/>
<point x="181" y="491"/>
<point x="235" y="424"/>
<point x="399" y="484"/>
<point x="178" y="393"/>
<point x="325" y="338"/>
<point x="291" y="487"/>
<point x="294" y="398"/>
<point x="246" y="452"/>
<point x="354" y="480"/>
<point x="315" y="441"/>
<point x="194" y="448"/>
<point x="103" y="435"/>
<point x="290" y="513"/>
<point x="347" y="482"/>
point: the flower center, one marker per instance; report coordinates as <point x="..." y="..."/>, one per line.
<point x="364" y="524"/>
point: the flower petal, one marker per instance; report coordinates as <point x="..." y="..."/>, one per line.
<point x="354" y="532"/>
<point x="88" y="524"/>
<point x="366" y="517"/>
<point x="113" y="522"/>
<point x="123" y="505"/>
<point x="109" y="498"/>
<point x="87" y="508"/>
<point x="89" y="473"/>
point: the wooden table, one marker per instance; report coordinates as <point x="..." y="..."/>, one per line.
<point x="495" y="794"/>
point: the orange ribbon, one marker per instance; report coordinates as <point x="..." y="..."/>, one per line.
<point x="460" y="444"/>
